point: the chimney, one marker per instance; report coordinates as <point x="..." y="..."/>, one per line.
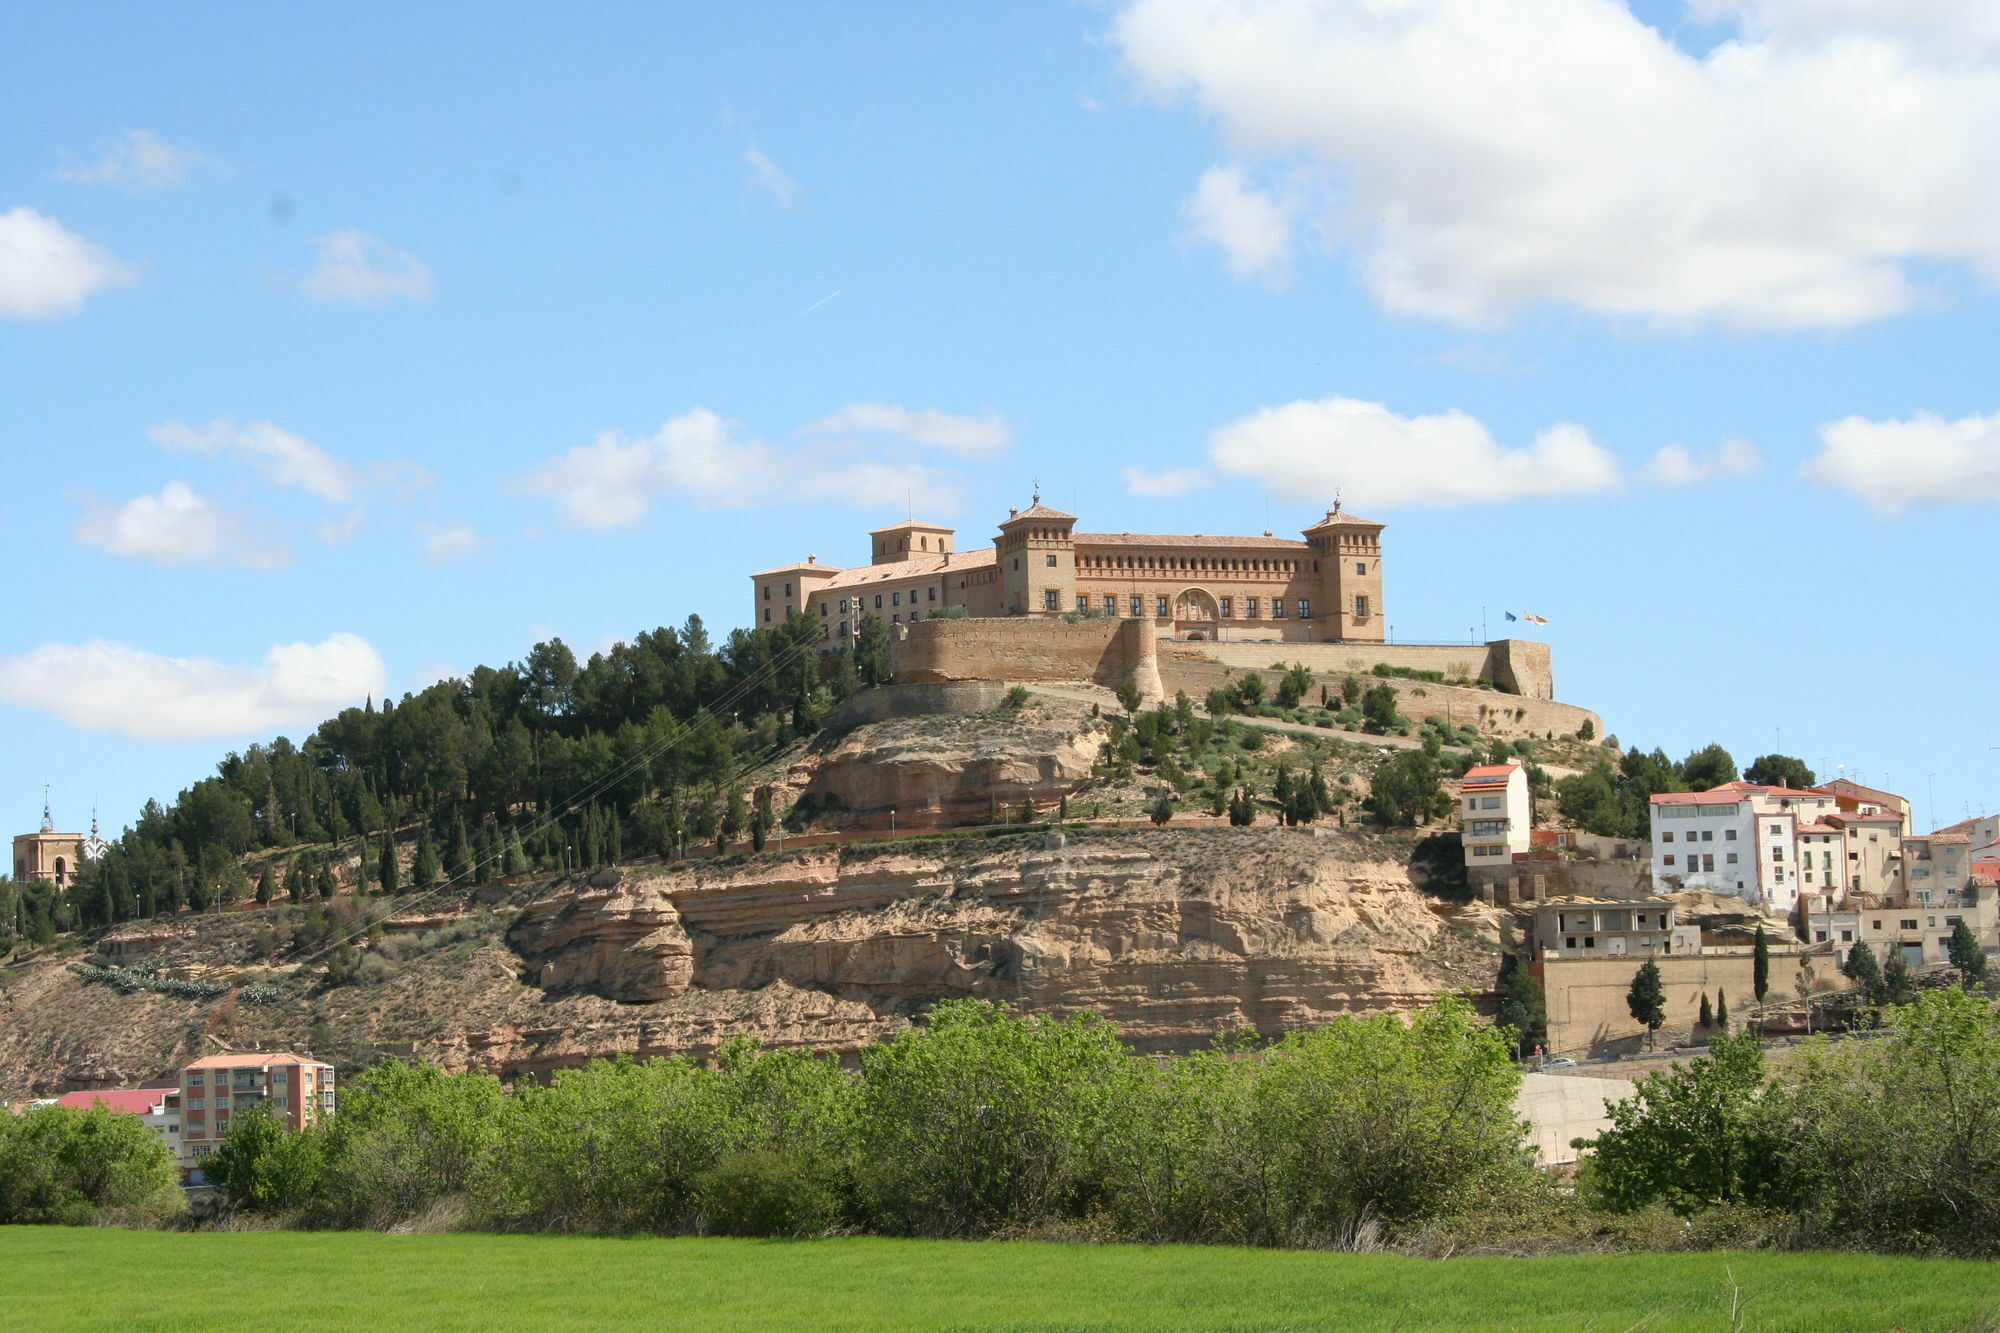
<point x="812" y="559"/>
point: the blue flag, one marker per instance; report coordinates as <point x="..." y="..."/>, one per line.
<point x="1512" y="616"/>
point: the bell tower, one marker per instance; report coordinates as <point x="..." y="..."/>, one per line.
<point x="1349" y="551"/>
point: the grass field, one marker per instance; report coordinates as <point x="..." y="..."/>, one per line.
<point x="54" y="1278"/>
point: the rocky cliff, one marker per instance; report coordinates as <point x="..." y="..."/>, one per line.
<point x="1175" y="934"/>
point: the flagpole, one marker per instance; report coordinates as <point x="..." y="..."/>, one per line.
<point x="1483" y="634"/>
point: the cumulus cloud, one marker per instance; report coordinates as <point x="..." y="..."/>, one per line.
<point x="179" y="527"/>
<point x="140" y="161"/>
<point x="449" y="541"/>
<point x="708" y="460"/>
<point x="47" y="270"/>
<point x="1166" y="484"/>
<point x="364" y="269"/>
<point x="125" y="691"/>
<point x="1488" y="158"/>
<point x="765" y="172"/>
<point x="1677" y="465"/>
<point x="1896" y="465"/>
<point x="272" y="452"/>
<point x="1372" y="456"/>
<point x="1253" y="227"/>
<point x="988" y="434"/>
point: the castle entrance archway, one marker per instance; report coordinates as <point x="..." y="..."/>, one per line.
<point x="1194" y="615"/>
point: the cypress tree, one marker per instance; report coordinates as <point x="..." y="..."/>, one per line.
<point x="265" y="887"/>
<point x="1966" y="955"/>
<point x="514" y="861"/>
<point x="1647" y="999"/>
<point x="386" y="869"/>
<point x="426" y="871"/>
<point x="1760" y="965"/>
<point x="1163" y="809"/>
<point x="1707" y="1018"/>
<point x="458" y="853"/>
<point x="1722" y="1011"/>
<point x="1896" y="988"/>
<point x="614" y="837"/>
<point x="295" y="880"/>
<point x="323" y="882"/>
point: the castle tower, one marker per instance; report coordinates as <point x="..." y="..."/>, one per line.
<point x="911" y="540"/>
<point x="1037" y="560"/>
<point x="1349" y="551"/>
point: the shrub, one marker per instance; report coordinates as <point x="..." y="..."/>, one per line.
<point x="85" y="1168"/>
<point x="768" y="1192"/>
<point x="1016" y="697"/>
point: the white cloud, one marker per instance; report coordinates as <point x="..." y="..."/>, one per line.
<point x="47" y="270"/>
<point x="1490" y="158"/>
<point x="179" y="527"/>
<point x="364" y="269"/>
<point x="1253" y="227"/>
<point x="272" y="452"/>
<point x="125" y="691"/>
<point x="140" y="161"/>
<point x="989" y="434"/>
<point x="1677" y="465"/>
<point x="1894" y="465"/>
<point x="1164" y="485"/>
<point x="1372" y="456"/>
<point x="765" y="172"/>
<point x="338" y="531"/>
<point x="449" y="541"/>
<point x="703" y="458"/>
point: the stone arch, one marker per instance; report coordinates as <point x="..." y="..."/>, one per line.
<point x="1194" y="604"/>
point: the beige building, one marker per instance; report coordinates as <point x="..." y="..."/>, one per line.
<point x="1496" y="815"/>
<point x="1608" y="928"/>
<point x="1326" y="588"/>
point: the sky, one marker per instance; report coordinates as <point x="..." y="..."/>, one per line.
<point x="344" y="349"/>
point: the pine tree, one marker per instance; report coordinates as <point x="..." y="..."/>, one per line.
<point x="1707" y="1018"/>
<point x="1163" y="809"/>
<point x="1966" y="955"/>
<point x="1760" y="965"/>
<point x="1026" y="814"/>
<point x="386" y="870"/>
<point x="265" y="886"/>
<point x="734" y="815"/>
<point x="1647" y="999"/>
<point x="295" y="880"/>
<point x="323" y="883"/>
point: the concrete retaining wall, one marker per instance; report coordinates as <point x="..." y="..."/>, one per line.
<point x="887" y="701"/>
<point x="1586" y="996"/>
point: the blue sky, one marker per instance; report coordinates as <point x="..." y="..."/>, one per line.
<point x="345" y="349"/>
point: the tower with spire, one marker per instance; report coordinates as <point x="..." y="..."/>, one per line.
<point x="48" y="855"/>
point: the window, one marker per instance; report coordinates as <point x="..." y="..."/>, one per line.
<point x="1777" y="829"/>
<point x="1708" y="835"/>
<point x="281" y="1102"/>
<point x="843" y="629"/>
<point x="1017" y="562"/>
<point x="1049" y="560"/>
<point x="1472" y="803"/>
<point x="767" y="592"/>
<point x="878" y="601"/>
<point x="1228" y="606"/>
<point x="1908" y="923"/>
<point x="895" y="599"/>
<point x="1488" y="828"/>
<point x="1590" y="941"/>
<point x="1083" y="601"/>
<point x="823" y="609"/>
<point x="1138" y="606"/>
<point x="1667" y="860"/>
<point x="1729" y="835"/>
<point x="1305" y="608"/>
<point x="196" y="1103"/>
<point x="767" y="615"/>
<point x="1250" y="607"/>
<point x="1110" y="605"/>
<point x="1360" y="607"/>
<point x="1489" y="803"/>
<point x="1667" y="836"/>
<point x="1729" y="858"/>
<point x="1777" y="853"/>
<point x="1569" y="942"/>
<point x="1708" y="861"/>
<point x="1278" y="608"/>
<point x="1361" y="566"/>
<point x="194" y="1080"/>
<point x="896" y="619"/>
<point x="930" y="594"/>
<point x="1052" y="600"/>
<point x="1819" y="937"/>
<point x="788" y="590"/>
<point x="1847" y="937"/>
<point x="1160" y="607"/>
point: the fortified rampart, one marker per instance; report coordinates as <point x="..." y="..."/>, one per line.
<point x="1107" y="651"/>
<point x="1516" y="666"/>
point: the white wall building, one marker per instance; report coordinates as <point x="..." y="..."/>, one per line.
<point x="1496" y="814"/>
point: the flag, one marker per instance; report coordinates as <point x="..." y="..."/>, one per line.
<point x="1512" y="616"/>
<point x="1534" y="620"/>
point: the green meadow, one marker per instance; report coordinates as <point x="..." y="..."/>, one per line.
<point x="55" y="1278"/>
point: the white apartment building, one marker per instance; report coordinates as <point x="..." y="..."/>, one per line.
<point x="1496" y="814"/>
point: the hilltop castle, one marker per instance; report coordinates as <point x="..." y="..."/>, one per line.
<point x="1324" y="589"/>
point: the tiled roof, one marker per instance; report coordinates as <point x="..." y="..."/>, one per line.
<point x="1721" y="796"/>
<point x="130" y="1101"/>
<point x="1950" y="839"/>
<point x="798" y="568"/>
<point x="1770" y="791"/>
<point x="913" y="525"/>
<point x="1182" y="539"/>
<point x="1817" y="827"/>
<point x="1852" y="817"/>
<point x="1039" y="510"/>
<point x="251" y="1060"/>
<point x="1336" y="518"/>
<point x="1855" y="791"/>
<point x="1490" y="775"/>
<point x="922" y="567"/>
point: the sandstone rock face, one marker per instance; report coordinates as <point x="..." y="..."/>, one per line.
<point x="947" y="770"/>
<point x="1176" y="936"/>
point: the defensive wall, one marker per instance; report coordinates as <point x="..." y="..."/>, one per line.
<point x="1586" y="996"/>
<point x="1184" y="667"/>
<point x="1515" y="666"/>
<point x="1108" y="651"/>
<point x="916" y="700"/>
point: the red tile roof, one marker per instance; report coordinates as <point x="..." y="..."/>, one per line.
<point x="801" y="567"/>
<point x="129" y="1101"/>
<point x="1720" y="796"/>
<point x="1490" y="775"/>
<point x="252" y="1060"/>
<point x="924" y="566"/>
<point x="1770" y="791"/>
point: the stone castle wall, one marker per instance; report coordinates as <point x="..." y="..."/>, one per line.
<point x="1025" y="648"/>
<point x="887" y="701"/>
<point x="1517" y="666"/>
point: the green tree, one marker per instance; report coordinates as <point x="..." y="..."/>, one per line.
<point x="1897" y="988"/>
<point x="1523" y="1005"/>
<point x="85" y="1168"/>
<point x="1722" y="1010"/>
<point x="1688" y="1137"/>
<point x="1860" y="968"/>
<point x="264" y="1167"/>
<point x="1128" y="696"/>
<point x="1220" y="702"/>
<point x="266" y="886"/>
<point x="1162" y="809"/>
<point x="735" y="814"/>
<point x="1378" y="710"/>
<point x="426" y="871"/>
<point x="1406" y="790"/>
<point x="1760" y="964"/>
<point x="1242" y="808"/>
<point x="1707" y="1015"/>
<point x="1647" y="999"/>
<point x="1710" y="766"/>
<point x="323" y="883"/>
<point x="1966" y="955"/>
<point x="387" y="872"/>
<point x="871" y="649"/>
<point x="1294" y="685"/>
<point x="1778" y="770"/>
